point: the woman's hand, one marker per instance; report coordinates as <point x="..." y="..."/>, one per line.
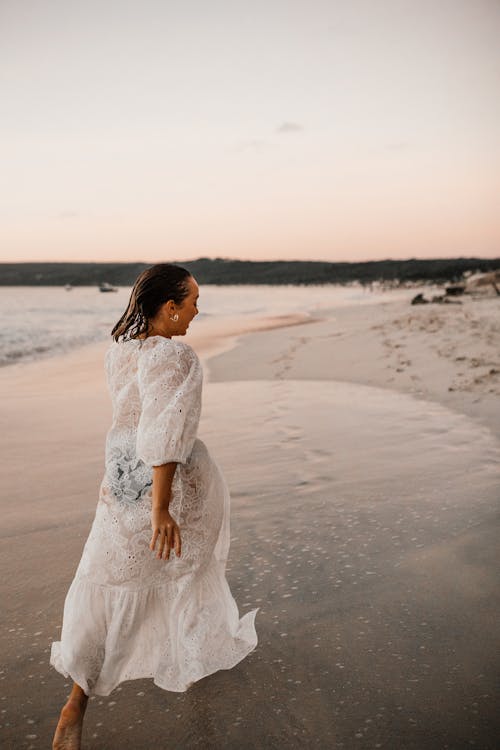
<point x="166" y="530"/>
<point x="164" y="526"/>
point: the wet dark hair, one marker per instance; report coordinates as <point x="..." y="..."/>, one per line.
<point x="152" y="288"/>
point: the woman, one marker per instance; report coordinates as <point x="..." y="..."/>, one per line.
<point x="132" y="609"/>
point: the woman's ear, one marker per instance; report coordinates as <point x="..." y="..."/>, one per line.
<point x="168" y="307"/>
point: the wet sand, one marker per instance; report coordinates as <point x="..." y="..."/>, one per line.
<point x="364" y="524"/>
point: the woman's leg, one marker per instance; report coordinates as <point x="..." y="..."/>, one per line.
<point x="69" y="728"/>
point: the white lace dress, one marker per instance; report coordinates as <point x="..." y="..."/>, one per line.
<point x="129" y="614"/>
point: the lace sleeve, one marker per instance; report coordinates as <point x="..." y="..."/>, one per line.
<point x="169" y="377"/>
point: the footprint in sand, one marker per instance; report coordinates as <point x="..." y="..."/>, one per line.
<point x="302" y="339"/>
<point x="280" y="374"/>
<point x="291" y="432"/>
<point x="277" y="361"/>
<point x="317" y="455"/>
<point x="337" y="334"/>
<point x="313" y="483"/>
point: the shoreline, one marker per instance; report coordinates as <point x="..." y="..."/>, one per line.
<point x="441" y="353"/>
<point x="212" y="341"/>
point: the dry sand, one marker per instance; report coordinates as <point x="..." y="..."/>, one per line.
<point x="362" y="454"/>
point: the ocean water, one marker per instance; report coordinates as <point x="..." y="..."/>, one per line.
<point x="44" y="321"/>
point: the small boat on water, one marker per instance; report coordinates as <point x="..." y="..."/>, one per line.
<point x="106" y="287"/>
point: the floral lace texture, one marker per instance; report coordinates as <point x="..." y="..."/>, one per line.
<point x="128" y="614"/>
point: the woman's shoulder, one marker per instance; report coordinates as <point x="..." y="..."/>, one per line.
<point x="152" y="346"/>
<point x="165" y="351"/>
<point x="161" y="343"/>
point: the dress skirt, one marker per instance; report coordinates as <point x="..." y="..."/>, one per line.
<point x="129" y="614"/>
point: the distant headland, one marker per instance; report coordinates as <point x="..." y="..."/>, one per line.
<point x="229" y="271"/>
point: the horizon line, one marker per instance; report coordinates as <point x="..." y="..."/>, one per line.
<point x="249" y="260"/>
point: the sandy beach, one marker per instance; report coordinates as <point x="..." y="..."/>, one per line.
<point x="361" y="447"/>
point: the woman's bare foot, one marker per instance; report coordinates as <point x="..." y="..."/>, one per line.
<point x="68" y="734"/>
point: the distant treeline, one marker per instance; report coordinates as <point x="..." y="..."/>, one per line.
<point x="226" y="271"/>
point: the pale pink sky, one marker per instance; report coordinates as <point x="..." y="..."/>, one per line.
<point x="278" y="129"/>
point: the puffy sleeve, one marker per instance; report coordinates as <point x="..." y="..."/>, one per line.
<point x="169" y="377"/>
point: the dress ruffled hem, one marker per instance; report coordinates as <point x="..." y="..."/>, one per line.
<point x="176" y="633"/>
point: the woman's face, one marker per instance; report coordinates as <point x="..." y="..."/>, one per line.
<point x="188" y="308"/>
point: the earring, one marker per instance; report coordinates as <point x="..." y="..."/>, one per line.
<point x="175" y="317"/>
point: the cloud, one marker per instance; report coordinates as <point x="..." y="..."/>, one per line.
<point x="261" y="145"/>
<point x="68" y="215"/>
<point x="289" y="127"/>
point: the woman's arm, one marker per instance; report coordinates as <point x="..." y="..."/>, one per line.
<point x="169" y="378"/>
<point x="162" y="484"/>
<point x="164" y="526"/>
